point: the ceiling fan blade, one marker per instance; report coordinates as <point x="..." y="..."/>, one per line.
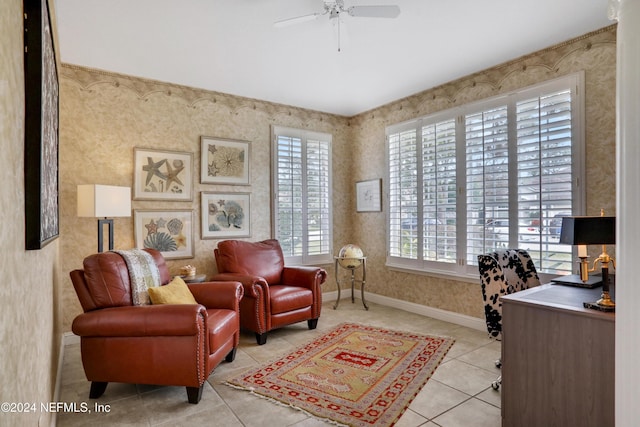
<point x="296" y="20"/>
<point x="374" y="11"/>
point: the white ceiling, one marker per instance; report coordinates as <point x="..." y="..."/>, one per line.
<point x="231" y="46"/>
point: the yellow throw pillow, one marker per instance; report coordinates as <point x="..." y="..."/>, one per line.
<point x="175" y="292"/>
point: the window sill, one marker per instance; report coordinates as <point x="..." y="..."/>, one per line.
<point x="442" y="274"/>
<point x="457" y="276"/>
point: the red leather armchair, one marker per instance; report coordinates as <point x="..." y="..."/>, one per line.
<point x="177" y="345"/>
<point x="274" y="295"/>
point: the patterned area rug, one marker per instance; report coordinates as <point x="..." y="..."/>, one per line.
<point x="354" y="375"/>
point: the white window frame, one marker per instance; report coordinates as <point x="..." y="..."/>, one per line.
<point x="460" y="269"/>
<point x="305" y="136"/>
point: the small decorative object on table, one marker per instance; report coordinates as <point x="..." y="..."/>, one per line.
<point x="351" y="257"/>
<point x="188" y="271"/>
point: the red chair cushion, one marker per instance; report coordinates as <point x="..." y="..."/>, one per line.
<point x="264" y="259"/>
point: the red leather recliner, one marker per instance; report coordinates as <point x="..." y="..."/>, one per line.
<point x="274" y="295"/>
<point x="177" y="345"/>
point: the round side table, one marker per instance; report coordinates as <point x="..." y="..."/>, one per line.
<point x="198" y="278"/>
<point x="362" y="281"/>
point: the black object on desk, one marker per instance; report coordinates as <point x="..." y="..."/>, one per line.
<point x="574" y="280"/>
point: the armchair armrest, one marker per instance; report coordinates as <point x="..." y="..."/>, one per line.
<point x="226" y="295"/>
<point x="141" y="321"/>
<point x="307" y="277"/>
<point x="253" y="286"/>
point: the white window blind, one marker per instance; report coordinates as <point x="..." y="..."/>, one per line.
<point x="403" y="191"/>
<point x="522" y="157"/>
<point x="487" y="160"/>
<point x="439" y="191"/>
<point x="545" y="170"/>
<point x="302" y="197"/>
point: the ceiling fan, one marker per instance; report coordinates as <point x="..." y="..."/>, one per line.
<point x="334" y="8"/>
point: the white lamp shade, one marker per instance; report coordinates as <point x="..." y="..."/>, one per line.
<point x="103" y="201"/>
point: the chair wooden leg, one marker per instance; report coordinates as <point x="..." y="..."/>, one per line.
<point x="97" y="389"/>
<point x="312" y="323"/>
<point x="194" y="394"/>
<point x="261" y="338"/>
<point x="231" y="355"/>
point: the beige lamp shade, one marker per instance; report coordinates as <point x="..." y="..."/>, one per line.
<point x="104" y="201"/>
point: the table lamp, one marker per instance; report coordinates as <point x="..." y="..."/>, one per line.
<point x="592" y="230"/>
<point x="104" y="201"/>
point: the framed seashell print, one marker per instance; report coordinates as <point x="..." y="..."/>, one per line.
<point x="224" y="161"/>
<point x="225" y="215"/>
<point x="169" y="231"/>
<point x="162" y="175"/>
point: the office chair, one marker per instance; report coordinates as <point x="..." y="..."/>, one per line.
<point x="502" y="273"/>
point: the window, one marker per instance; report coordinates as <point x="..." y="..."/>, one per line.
<point x="302" y="195"/>
<point x="493" y="174"/>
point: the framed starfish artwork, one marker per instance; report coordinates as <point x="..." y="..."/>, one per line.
<point x="169" y="231"/>
<point x="162" y="175"/>
<point x="224" y="161"/>
<point x="225" y="215"/>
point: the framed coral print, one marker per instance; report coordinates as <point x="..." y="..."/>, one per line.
<point x="168" y="231"/>
<point x="224" y="161"/>
<point x="162" y="175"/>
<point x="42" y="213"/>
<point x="225" y="215"/>
<point x="368" y="195"/>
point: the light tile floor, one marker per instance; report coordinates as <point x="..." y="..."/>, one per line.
<point x="459" y="393"/>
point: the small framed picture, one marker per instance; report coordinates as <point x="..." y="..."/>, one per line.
<point x="225" y="215"/>
<point x="169" y="231"/>
<point x="368" y="198"/>
<point x="162" y="175"/>
<point x="224" y="161"/>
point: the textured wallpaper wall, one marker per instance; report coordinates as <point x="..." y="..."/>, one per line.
<point x="104" y="116"/>
<point x="594" y="53"/>
<point x="29" y="333"/>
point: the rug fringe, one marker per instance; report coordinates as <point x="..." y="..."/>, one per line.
<point x="286" y="405"/>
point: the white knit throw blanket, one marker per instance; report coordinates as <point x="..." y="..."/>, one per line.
<point x="143" y="273"/>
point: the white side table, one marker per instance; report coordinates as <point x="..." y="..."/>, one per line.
<point x="362" y="281"/>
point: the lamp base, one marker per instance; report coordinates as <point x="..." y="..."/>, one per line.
<point x="101" y="224"/>
<point x="596" y="306"/>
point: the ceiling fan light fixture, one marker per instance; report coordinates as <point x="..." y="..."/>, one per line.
<point x="334" y="7"/>
<point x="387" y="11"/>
<point x="297" y="20"/>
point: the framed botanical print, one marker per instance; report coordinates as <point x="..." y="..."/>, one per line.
<point x="224" y="161"/>
<point x="225" y="215"/>
<point x="168" y="231"/>
<point x="162" y="175"/>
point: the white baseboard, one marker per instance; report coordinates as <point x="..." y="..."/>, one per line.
<point x="411" y="307"/>
<point x="70" y="338"/>
<point x="330" y="296"/>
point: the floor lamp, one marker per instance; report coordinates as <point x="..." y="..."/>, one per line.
<point x="104" y="202"/>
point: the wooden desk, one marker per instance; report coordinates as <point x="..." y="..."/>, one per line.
<point x="557" y="359"/>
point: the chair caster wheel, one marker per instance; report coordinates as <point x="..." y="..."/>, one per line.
<point x="495" y="385"/>
<point x="498" y="363"/>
